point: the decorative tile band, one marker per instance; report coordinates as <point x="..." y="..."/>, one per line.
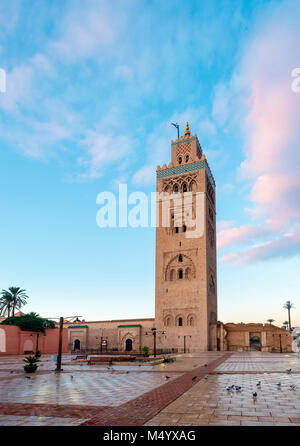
<point x="184" y="140"/>
<point x="186" y="168"/>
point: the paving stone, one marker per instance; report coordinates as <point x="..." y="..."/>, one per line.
<point x="103" y="397"/>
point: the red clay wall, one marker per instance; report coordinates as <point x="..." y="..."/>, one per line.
<point x="14" y="341"/>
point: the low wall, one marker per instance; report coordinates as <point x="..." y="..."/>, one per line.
<point x="14" y="341"/>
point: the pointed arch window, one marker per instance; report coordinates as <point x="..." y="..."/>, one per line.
<point x="188" y="273"/>
<point x="180" y="274"/>
<point x="172" y="274"/>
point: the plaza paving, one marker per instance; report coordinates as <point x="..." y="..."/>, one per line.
<point x="133" y="395"/>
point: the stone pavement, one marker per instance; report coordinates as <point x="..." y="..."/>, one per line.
<point x="132" y="395"/>
<point x="209" y="403"/>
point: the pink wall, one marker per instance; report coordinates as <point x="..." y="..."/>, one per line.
<point x="14" y="341"/>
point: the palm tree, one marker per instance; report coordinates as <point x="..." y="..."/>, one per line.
<point x="270" y="320"/>
<point x="285" y="324"/>
<point x="288" y="305"/>
<point x="13" y="298"/>
<point x="6" y="303"/>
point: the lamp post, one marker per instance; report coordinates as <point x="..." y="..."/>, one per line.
<point x="37" y="344"/>
<point x="60" y="338"/>
<point x="154" y="340"/>
<point x="154" y="333"/>
<point x="184" y="342"/>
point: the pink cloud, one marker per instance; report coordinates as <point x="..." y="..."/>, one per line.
<point x="224" y="224"/>
<point x="272" y="133"/>
<point x="242" y="234"/>
<point x="272" y="127"/>
<point x="288" y="245"/>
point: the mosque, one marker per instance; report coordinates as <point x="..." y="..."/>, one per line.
<point x="186" y="313"/>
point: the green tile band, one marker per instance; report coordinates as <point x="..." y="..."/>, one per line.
<point x="186" y="168"/>
<point x="184" y="140"/>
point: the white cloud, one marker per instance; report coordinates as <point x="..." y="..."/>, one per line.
<point x="102" y="150"/>
<point x="85" y="33"/>
<point x="145" y="175"/>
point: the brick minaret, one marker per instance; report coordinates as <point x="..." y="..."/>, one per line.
<point x="186" y="271"/>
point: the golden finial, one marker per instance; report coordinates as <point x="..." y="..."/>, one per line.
<point x="187" y="130"/>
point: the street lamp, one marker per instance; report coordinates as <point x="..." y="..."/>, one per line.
<point x="154" y="333"/>
<point x="60" y="338"/>
<point x="184" y="342"/>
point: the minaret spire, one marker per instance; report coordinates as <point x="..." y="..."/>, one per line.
<point x="187" y="130"/>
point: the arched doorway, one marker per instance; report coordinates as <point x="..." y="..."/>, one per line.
<point x="255" y="343"/>
<point x="128" y="345"/>
<point x="28" y="346"/>
<point x="76" y="345"/>
<point x="2" y="340"/>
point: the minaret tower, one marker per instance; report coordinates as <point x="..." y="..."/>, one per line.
<point x="186" y="270"/>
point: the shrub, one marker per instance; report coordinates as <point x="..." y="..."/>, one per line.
<point x="29" y="322"/>
<point x="146" y="350"/>
<point x="31" y="364"/>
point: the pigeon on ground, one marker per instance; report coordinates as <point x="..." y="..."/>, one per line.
<point x="278" y="384"/>
<point x="167" y="377"/>
<point x="254" y="395"/>
<point x="292" y="387"/>
<point x="72" y="377"/>
<point x="195" y="377"/>
<point x="28" y="377"/>
<point x="228" y="388"/>
<point x="206" y="377"/>
<point x="289" y="371"/>
<point x="258" y="384"/>
<point x="237" y="388"/>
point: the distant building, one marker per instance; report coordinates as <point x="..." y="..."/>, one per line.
<point x="252" y="336"/>
<point x="296" y="339"/>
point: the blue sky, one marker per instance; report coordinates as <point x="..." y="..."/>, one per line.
<point x="91" y="90"/>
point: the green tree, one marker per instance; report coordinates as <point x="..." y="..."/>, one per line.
<point x="270" y="320"/>
<point x="29" y="322"/>
<point x="288" y="306"/>
<point x="13" y="298"/>
<point x="6" y="304"/>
